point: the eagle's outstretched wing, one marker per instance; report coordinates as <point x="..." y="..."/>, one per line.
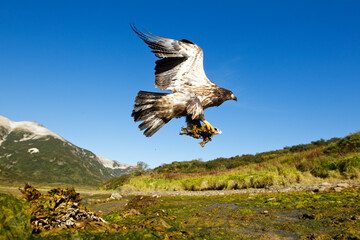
<point x="181" y="63"/>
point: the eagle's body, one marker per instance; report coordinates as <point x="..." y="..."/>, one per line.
<point x="181" y="71"/>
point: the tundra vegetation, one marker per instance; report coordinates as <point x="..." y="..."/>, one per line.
<point x="337" y="159"/>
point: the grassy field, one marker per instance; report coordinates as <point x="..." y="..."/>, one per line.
<point x="332" y="160"/>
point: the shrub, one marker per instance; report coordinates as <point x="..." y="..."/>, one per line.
<point x="345" y="145"/>
<point x="349" y="166"/>
<point x="305" y="166"/>
<point x="321" y="171"/>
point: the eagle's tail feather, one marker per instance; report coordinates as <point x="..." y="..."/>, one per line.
<point x="145" y="111"/>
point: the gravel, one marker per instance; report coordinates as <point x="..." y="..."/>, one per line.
<point x="321" y="187"/>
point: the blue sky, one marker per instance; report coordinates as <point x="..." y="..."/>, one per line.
<point x="76" y="66"/>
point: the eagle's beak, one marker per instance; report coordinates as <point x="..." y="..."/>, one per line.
<point x="233" y="97"/>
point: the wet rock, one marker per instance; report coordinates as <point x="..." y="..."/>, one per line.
<point x="270" y="199"/>
<point x="338" y="189"/>
<point x="326" y="184"/>
<point x="115" y="196"/>
<point x="307" y="216"/>
<point x="321" y="189"/>
<point x="343" y="185"/>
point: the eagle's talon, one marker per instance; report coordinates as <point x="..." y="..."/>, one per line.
<point x="204" y="132"/>
<point x="209" y="126"/>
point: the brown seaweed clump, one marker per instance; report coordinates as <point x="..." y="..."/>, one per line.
<point x="198" y="132"/>
<point x="30" y="193"/>
<point x="140" y="202"/>
<point x="58" y="209"/>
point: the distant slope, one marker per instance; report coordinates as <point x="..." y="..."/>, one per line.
<point x="337" y="159"/>
<point x="220" y="164"/>
<point x="117" y="169"/>
<point x="31" y="153"/>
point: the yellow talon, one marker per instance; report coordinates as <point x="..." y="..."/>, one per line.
<point x="209" y="126"/>
<point x="205" y="132"/>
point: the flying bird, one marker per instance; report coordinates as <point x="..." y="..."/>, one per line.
<point x="180" y="70"/>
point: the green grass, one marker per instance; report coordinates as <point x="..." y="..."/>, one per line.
<point x="237" y="179"/>
<point x="333" y="160"/>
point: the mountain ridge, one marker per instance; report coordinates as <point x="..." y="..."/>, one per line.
<point x="31" y="152"/>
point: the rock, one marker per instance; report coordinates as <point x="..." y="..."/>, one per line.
<point x="343" y="185"/>
<point x="115" y="196"/>
<point x="321" y="189"/>
<point x="338" y="189"/>
<point x="326" y="184"/>
<point x="270" y="199"/>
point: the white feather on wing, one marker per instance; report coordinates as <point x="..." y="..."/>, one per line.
<point x="181" y="64"/>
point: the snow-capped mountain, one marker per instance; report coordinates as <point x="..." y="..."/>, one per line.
<point x="113" y="164"/>
<point x="116" y="168"/>
<point x="31" y="152"/>
<point x="34" y="130"/>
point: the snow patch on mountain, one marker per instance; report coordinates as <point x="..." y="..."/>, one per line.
<point x="33" y="150"/>
<point x="36" y="130"/>
<point x="113" y="164"/>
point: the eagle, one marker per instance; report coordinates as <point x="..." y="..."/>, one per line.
<point x="180" y="69"/>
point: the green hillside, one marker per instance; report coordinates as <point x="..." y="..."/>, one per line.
<point x="336" y="159"/>
<point x="220" y="164"/>
<point x="57" y="162"/>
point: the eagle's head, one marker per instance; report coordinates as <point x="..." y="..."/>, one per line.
<point x="219" y="96"/>
<point x="229" y="95"/>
